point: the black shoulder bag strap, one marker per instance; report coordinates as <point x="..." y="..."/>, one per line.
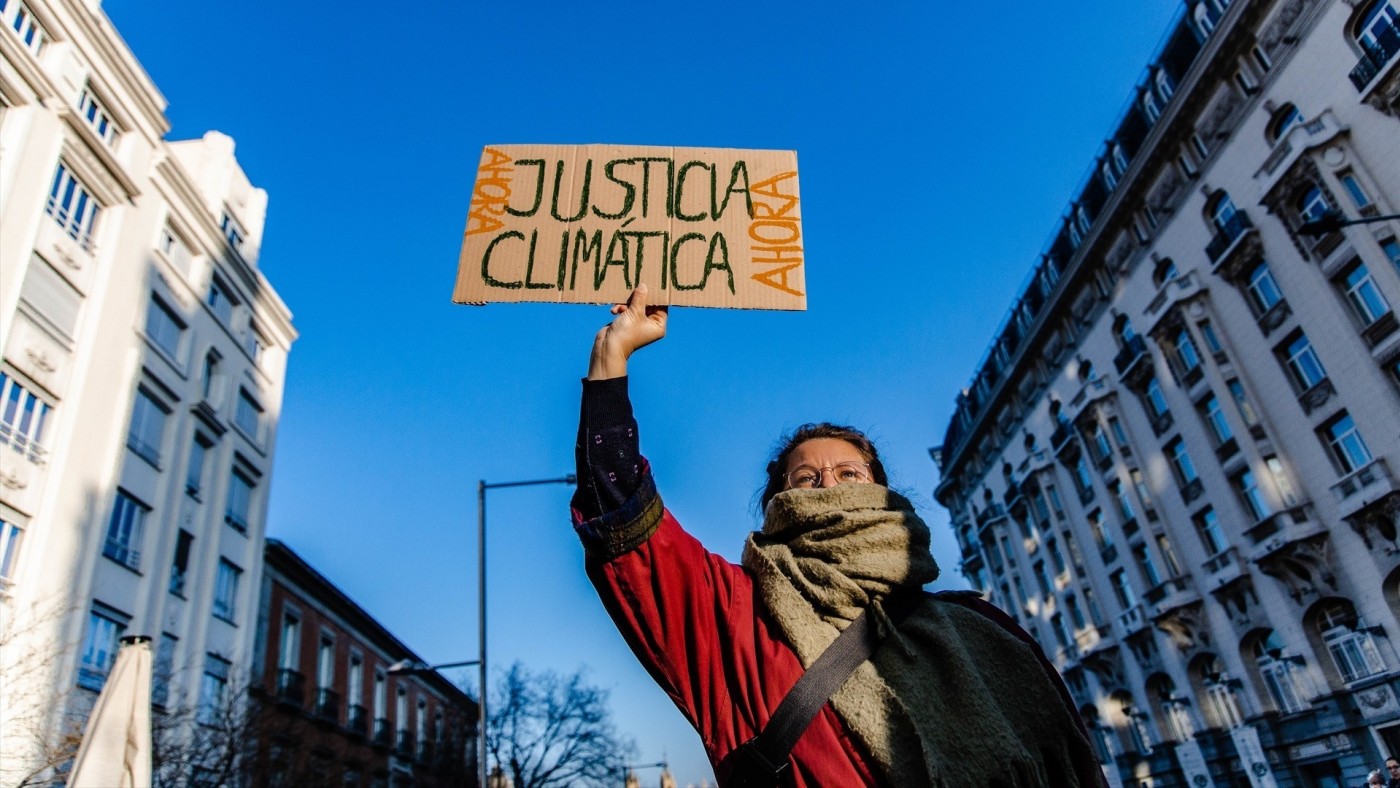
<point x="760" y="761"/>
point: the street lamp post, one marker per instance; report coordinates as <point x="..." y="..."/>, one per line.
<point x="481" y="487"/>
<point x="1332" y="221"/>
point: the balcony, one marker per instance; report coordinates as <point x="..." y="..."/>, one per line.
<point x="1274" y="318"/>
<point x="404" y="746"/>
<point x="1223" y="567"/>
<point x="1173" y="292"/>
<point x="1062" y="440"/>
<point x="328" y="703"/>
<point x="1379" y="329"/>
<point x="989" y="515"/>
<point x="1370" y="482"/>
<point x="1132" y="619"/>
<point x="1316" y="395"/>
<point x="1132" y="361"/>
<point x="1170" y="594"/>
<point x="291" y="686"/>
<point x="357" y="719"/>
<point x="1191" y="491"/>
<point x="1377" y="56"/>
<point x="383" y="732"/>
<point x="1227" y="236"/>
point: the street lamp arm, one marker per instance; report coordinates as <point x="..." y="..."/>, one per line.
<point x="569" y="479"/>
<point x="414" y="666"/>
<point x="1332" y="221"/>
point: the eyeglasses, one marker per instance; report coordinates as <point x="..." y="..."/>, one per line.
<point x="806" y="477"/>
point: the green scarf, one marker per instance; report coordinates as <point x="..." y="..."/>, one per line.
<point x="951" y="699"/>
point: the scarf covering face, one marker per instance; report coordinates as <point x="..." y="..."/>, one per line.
<point x="949" y="699"/>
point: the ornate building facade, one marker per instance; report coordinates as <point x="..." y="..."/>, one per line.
<point x="1173" y="464"/>
<point x="144" y="355"/>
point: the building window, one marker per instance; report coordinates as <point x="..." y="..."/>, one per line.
<point x="233" y="232"/>
<point x="1204" y="17"/>
<point x="1182" y="467"/>
<point x="355" y="683"/>
<point x="50" y="295"/>
<point x="164" y="328"/>
<point x="1102" y="537"/>
<point x="1123" y="590"/>
<point x="1140" y="485"/>
<point x="1281" y="482"/>
<point x="1208" y="526"/>
<point x="213" y="690"/>
<point x="209" y="374"/>
<point x="1376" y="29"/>
<point x="163" y="670"/>
<point x="1304" y="368"/>
<point x="1261" y="59"/>
<point x="240" y="499"/>
<point x="1223" y="214"/>
<point x="1211" y="339"/>
<point x="1251" y="495"/>
<point x="1164" y="546"/>
<point x="180" y="567"/>
<point x="147" y="427"/>
<point x="10" y="537"/>
<point x="1344" y="444"/>
<point x="125" y="529"/>
<point x="1215" y="419"/>
<point x="176" y="251"/>
<point x="1057" y="625"/>
<point x="97" y="116"/>
<point x="1156" y="401"/>
<point x="1262" y="290"/>
<point x="1082" y="479"/>
<point x="226" y="591"/>
<point x="104" y="631"/>
<point x="289" y="647"/>
<point x="1352" y="647"/>
<point x="1285" y="118"/>
<point x="1242" y="401"/>
<point x="248" y="417"/>
<point x="325" y="662"/>
<point x="1147" y="565"/>
<point x="1149" y="107"/>
<point x="1392" y="251"/>
<point x="31" y="33"/>
<point x="1278" y="673"/>
<point x="1110" y="180"/>
<point x="220" y="300"/>
<point x="1363" y="296"/>
<point x="194" y="472"/>
<point x="72" y="206"/>
<point x="1313" y="204"/>
<point x="1125" y="506"/>
<point x="1358" y="195"/>
<point x="23" y="417"/>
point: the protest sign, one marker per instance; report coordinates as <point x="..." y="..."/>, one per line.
<point x="713" y="227"/>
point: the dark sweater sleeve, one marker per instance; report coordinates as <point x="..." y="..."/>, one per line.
<point x="608" y="449"/>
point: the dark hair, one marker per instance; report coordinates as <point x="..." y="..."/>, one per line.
<point x="777" y="467"/>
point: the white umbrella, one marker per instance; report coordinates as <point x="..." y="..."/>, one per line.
<point x="116" y="748"/>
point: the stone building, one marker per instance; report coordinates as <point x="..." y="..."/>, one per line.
<point x="1173" y="463"/>
<point x="143" y="364"/>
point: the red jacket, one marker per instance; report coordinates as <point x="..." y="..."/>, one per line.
<point x="697" y="625"/>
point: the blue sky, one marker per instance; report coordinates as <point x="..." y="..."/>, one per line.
<point x="937" y="143"/>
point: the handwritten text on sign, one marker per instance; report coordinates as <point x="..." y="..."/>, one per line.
<point x="586" y="223"/>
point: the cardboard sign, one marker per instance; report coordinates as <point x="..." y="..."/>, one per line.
<point x="586" y="223"/>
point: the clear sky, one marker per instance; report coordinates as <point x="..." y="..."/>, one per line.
<point x="938" y="143"/>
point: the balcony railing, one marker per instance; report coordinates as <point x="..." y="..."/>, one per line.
<point x="1227" y="234"/>
<point x="1133" y="353"/>
<point x="327" y="703"/>
<point x="404" y="747"/>
<point x="1374" y="477"/>
<point x="291" y="686"/>
<point x="383" y="732"/>
<point x="1376" y="56"/>
<point x="357" y="719"/>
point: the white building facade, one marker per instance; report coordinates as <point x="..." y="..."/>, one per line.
<point x="144" y="356"/>
<point x="1179" y="463"/>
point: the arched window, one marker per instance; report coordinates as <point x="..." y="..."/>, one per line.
<point x="1221" y="210"/>
<point x="1081" y="219"/>
<point x="1176" y="710"/>
<point x="1285" y="118"/>
<point x="1205" y="18"/>
<point x="1377" y="25"/>
<point x="1221" y="701"/>
<point x="1149" y="107"/>
<point x="1312" y="203"/>
<point x="1278" y="671"/>
<point x="1110" y="179"/>
<point x="1165" y="85"/>
<point x="1351" y="645"/>
<point x="1120" y="158"/>
<point x="1135" y="720"/>
<point x="1105" y="742"/>
<point x="1164" y="272"/>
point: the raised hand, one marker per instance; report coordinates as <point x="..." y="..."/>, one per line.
<point x="634" y="326"/>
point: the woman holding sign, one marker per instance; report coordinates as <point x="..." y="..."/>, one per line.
<point x="944" y="689"/>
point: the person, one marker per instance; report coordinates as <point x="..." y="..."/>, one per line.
<point x="1393" y="766"/>
<point x="1375" y="779"/>
<point x="956" y="695"/>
